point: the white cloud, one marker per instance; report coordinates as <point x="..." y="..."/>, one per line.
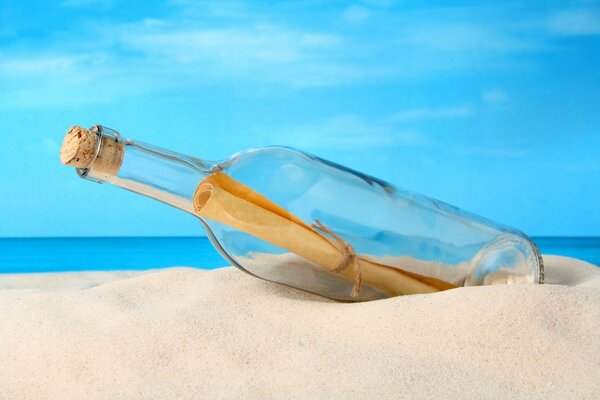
<point x="259" y="53"/>
<point x="50" y="146"/>
<point x="380" y="3"/>
<point x="220" y="8"/>
<point x="244" y="45"/>
<point x="233" y="47"/>
<point x="500" y="152"/>
<point x="580" y="166"/>
<point x="461" y="37"/>
<point x="354" y="14"/>
<point x="40" y="80"/>
<point x="431" y="113"/>
<point x="64" y="79"/>
<point x="348" y="132"/>
<point x="85" y="3"/>
<point x="575" y="22"/>
<point x="40" y="65"/>
<point x="494" y="96"/>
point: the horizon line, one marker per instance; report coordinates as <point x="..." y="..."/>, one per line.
<point x="206" y="237"/>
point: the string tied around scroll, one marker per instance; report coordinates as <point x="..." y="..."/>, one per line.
<point x="347" y="250"/>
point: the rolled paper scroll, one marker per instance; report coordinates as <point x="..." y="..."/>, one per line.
<point x="227" y="201"/>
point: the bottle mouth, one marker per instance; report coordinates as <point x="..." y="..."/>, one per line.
<point x="96" y="153"/>
<point x="83" y="172"/>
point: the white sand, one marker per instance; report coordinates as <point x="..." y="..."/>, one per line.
<point x="186" y="333"/>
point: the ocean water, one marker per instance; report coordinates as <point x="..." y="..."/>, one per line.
<point x="25" y="255"/>
<point x="106" y="253"/>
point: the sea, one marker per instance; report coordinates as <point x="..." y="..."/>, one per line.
<point x="28" y="255"/>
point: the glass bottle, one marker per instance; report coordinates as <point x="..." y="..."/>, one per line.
<point x="336" y="232"/>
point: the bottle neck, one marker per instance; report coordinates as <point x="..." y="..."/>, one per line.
<point x="163" y="175"/>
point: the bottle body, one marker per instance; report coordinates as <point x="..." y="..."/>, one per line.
<point x="393" y="226"/>
<point x="385" y="226"/>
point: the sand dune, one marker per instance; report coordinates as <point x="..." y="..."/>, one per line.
<point x="187" y="333"/>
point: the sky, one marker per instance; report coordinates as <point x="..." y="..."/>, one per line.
<point x="493" y="107"/>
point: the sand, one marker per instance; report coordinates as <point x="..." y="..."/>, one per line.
<point x="193" y="334"/>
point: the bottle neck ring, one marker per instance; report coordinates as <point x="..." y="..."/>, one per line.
<point x="108" y="156"/>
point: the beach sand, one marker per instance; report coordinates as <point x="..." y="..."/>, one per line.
<point x="194" y="334"/>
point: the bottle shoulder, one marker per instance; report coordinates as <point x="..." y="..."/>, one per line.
<point x="281" y="155"/>
<point x="266" y="150"/>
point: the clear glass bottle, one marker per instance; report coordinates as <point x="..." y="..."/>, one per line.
<point x="382" y="230"/>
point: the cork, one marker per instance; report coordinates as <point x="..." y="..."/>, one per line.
<point x="82" y="148"/>
<point x="79" y="147"/>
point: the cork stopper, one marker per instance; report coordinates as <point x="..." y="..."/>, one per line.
<point x="102" y="154"/>
<point x="79" y="147"/>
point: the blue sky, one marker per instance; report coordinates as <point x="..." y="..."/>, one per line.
<point x="492" y="107"/>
